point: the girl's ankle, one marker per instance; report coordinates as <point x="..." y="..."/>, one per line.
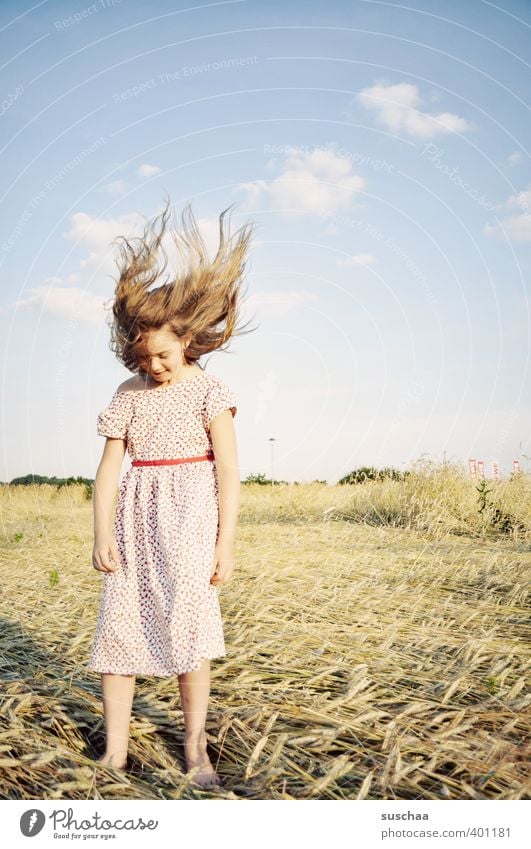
<point x="116" y="757"/>
<point x="195" y="738"/>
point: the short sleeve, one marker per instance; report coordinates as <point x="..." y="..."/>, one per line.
<point x="218" y="399"/>
<point x="113" y="421"/>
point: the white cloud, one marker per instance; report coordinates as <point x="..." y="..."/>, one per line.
<point x="67" y="303"/>
<point x="97" y="234"/>
<point x="280" y="303"/>
<point x="397" y="108"/>
<point x="357" y="259"/>
<point x="255" y="190"/>
<point x="117" y="187"/>
<point x="514" y="158"/>
<point x="520" y="201"/>
<point x="319" y="181"/>
<point x="516" y="227"/>
<point x="147" y="170"/>
<point x="53" y="281"/>
<point x="331" y="229"/>
<point x="94" y="259"/>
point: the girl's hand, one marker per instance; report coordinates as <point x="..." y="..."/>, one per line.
<point x="105" y="556"/>
<point x="223" y="565"/>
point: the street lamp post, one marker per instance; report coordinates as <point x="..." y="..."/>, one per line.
<point x="272" y="440"/>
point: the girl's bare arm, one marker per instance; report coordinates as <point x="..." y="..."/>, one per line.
<point x="105" y="486"/>
<point x="223" y="438"/>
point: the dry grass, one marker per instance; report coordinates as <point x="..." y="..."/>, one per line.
<point x="377" y="638"/>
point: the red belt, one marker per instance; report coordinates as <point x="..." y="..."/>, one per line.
<point x="209" y="456"/>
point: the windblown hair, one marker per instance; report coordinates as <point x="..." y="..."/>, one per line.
<point x="202" y="300"/>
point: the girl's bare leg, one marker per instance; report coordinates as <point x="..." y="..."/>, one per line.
<point x="118" y="692"/>
<point x="195" y="690"/>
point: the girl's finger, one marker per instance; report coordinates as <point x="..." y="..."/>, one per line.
<point x="96" y="563"/>
<point x="115" y="554"/>
<point x="106" y="565"/>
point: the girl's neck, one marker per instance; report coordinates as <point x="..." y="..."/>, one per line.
<point x="191" y="371"/>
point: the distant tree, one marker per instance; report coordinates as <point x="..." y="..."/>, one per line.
<point x="369" y="473"/>
<point x="259" y="478"/>
<point x="31" y="480"/>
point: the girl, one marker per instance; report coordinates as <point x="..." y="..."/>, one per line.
<point x="171" y="544"/>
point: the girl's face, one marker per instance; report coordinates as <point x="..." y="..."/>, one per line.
<point x="161" y="355"/>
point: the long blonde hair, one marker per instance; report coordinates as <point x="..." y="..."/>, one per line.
<point x="203" y="300"/>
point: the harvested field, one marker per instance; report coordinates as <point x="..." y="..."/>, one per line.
<point x="377" y="638"/>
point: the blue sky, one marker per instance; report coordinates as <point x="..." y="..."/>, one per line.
<point x="380" y="149"/>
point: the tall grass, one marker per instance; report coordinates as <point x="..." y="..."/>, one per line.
<point x="377" y="639"/>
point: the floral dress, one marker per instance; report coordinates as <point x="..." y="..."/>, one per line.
<point x="159" y="613"/>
